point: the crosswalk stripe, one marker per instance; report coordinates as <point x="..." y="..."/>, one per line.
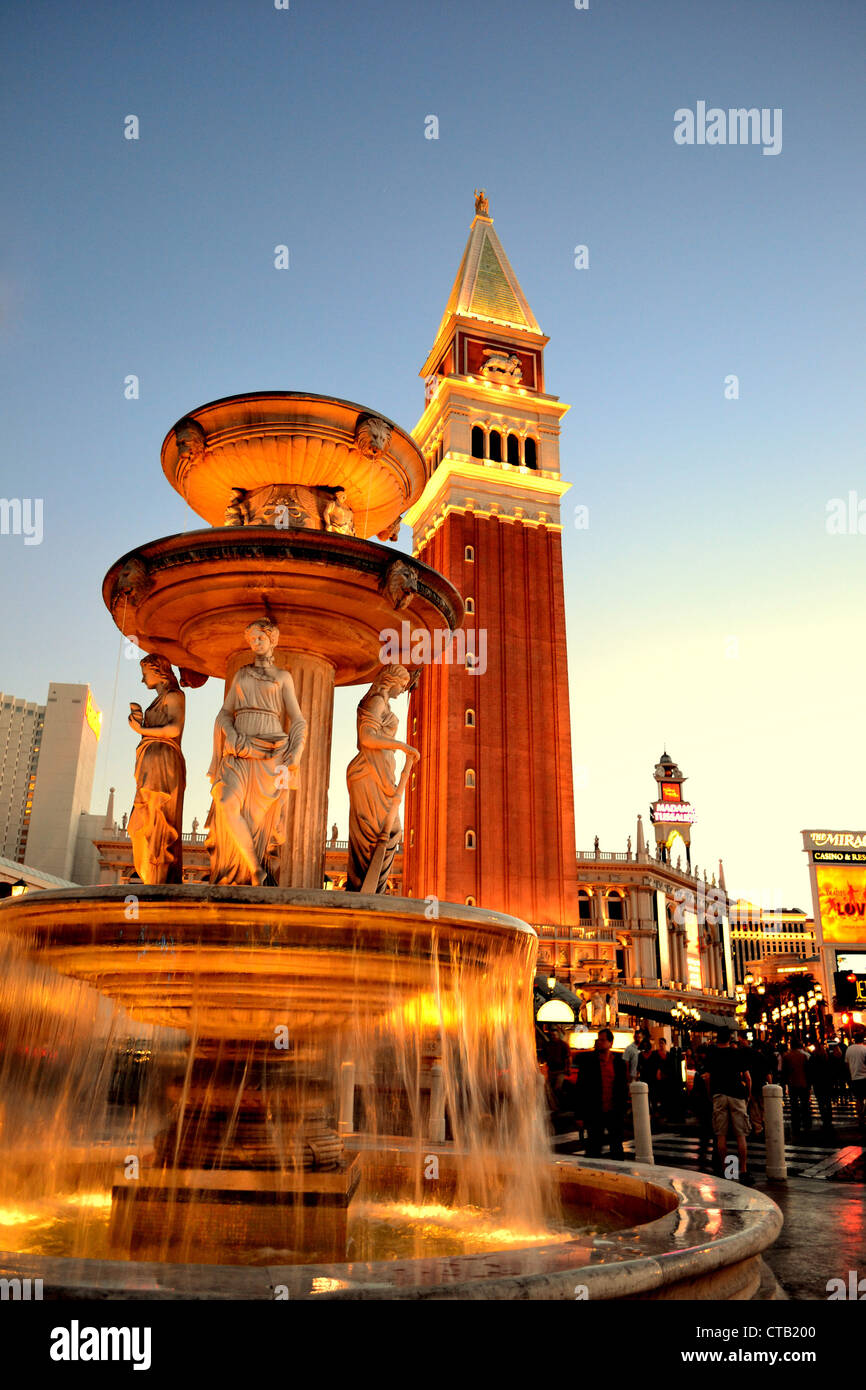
<point x="818" y="1162"/>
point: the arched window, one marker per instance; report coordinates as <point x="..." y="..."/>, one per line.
<point x="470" y="902"/>
<point x="469" y="555"/>
<point x="470" y="839"/>
<point x="615" y="908"/>
<point x="469" y="779"/>
<point x="470" y="605"/>
<point x="584" y="907"/>
<point x="513" y="449"/>
<point x="530" y="452"/>
<point x="477" y="442"/>
<point x="494" y="447"/>
<point x="469" y="721"/>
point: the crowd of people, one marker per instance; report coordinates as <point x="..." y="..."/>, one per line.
<point x="720" y="1084"/>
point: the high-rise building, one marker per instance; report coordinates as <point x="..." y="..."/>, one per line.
<point x="64" y="777"/>
<point x="490" y="808"/>
<point x="21" y="725"/>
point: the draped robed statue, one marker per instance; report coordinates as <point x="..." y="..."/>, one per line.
<point x="259" y="736"/>
<point x="374" y="793"/>
<point x="156" y="823"/>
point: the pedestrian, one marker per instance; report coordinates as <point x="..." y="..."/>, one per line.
<point x="730" y="1085"/>
<point x="795" y="1075"/>
<point x="701" y="1103"/>
<point x="855" y="1060"/>
<point x="759" y="1070"/>
<point x="557" y="1055"/>
<point x="603" y="1089"/>
<point x="631" y="1056"/>
<point x="822" y="1074"/>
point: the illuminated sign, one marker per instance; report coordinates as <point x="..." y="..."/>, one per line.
<point x="93" y="716"/>
<point x="665" y="813"/>
<point x="842" y="902"/>
<point x="837" y="839"/>
<point x="672" y="791"/>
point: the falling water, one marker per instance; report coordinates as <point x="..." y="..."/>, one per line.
<point x="305" y="1030"/>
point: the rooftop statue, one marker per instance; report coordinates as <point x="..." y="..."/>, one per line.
<point x="156" y="823"/>
<point x="482" y="206"/>
<point x="259" y="736"/>
<point x="374" y="794"/>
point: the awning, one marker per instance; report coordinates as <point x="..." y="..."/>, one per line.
<point x="660" y="1008"/>
<point x="541" y="995"/>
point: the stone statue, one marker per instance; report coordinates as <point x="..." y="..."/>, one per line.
<point x="334" y="833"/>
<point x="337" y="515"/>
<point x="399" y="584"/>
<point x="502" y="365"/>
<point x="291" y="507"/>
<point x="131" y="586"/>
<point x="482" y="205"/>
<point x="259" y="736"/>
<point x="390" y="533"/>
<point x="191" y="444"/>
<point x="374" y="794"/>
<point x="372" y="435"/>
<point x="156" y="822"/>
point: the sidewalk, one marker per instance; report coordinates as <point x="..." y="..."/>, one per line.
<point x="823" y="1238"/>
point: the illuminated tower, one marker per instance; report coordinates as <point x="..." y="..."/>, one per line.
<point x="671" y="815"/>
<point x="490" y="808"/>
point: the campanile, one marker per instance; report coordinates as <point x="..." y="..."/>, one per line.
<point x="490" y="808"/>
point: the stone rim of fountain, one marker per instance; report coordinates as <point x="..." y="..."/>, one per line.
<point x="708" y="1245"/>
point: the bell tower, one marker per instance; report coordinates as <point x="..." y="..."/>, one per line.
<point x="490" y="808"/>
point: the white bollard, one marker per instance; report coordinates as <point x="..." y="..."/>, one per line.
<point x="640" y="1113"/>
<point x="774" y="1134"/>
<point x="437" y="1105"/>
<point x="346" y="1122"/>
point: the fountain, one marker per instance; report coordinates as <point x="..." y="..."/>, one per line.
<point x="344" y="1096"/>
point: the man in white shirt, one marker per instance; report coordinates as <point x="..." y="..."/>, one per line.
<point x="855" y="1060"/>
<point x="631" y="1056"/>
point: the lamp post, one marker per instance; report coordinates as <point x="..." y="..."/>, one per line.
<point x="19" y="887"/>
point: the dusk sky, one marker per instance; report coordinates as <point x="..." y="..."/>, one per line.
<point x="709" y="608"/>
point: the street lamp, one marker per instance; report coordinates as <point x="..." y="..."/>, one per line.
<point x="19" y="887"/>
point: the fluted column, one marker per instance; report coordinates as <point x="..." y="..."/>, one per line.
<point x="303" y="863"/>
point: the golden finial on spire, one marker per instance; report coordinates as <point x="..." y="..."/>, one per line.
<point x="482" y="207"/>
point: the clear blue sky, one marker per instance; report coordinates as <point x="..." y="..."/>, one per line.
<point x="306" y="127"/>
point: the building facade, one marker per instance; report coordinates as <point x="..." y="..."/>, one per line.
<point x="771" y="937"/>
<point x="21" y="728"/>
<point x="63" y="778"/>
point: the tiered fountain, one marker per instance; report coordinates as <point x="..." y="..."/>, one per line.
<point x="327" y="1032"/>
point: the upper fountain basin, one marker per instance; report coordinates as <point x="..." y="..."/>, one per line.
<point x="293" y="437"/>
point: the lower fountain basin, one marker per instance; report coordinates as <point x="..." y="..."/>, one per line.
<point x="659" y="1234"/>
